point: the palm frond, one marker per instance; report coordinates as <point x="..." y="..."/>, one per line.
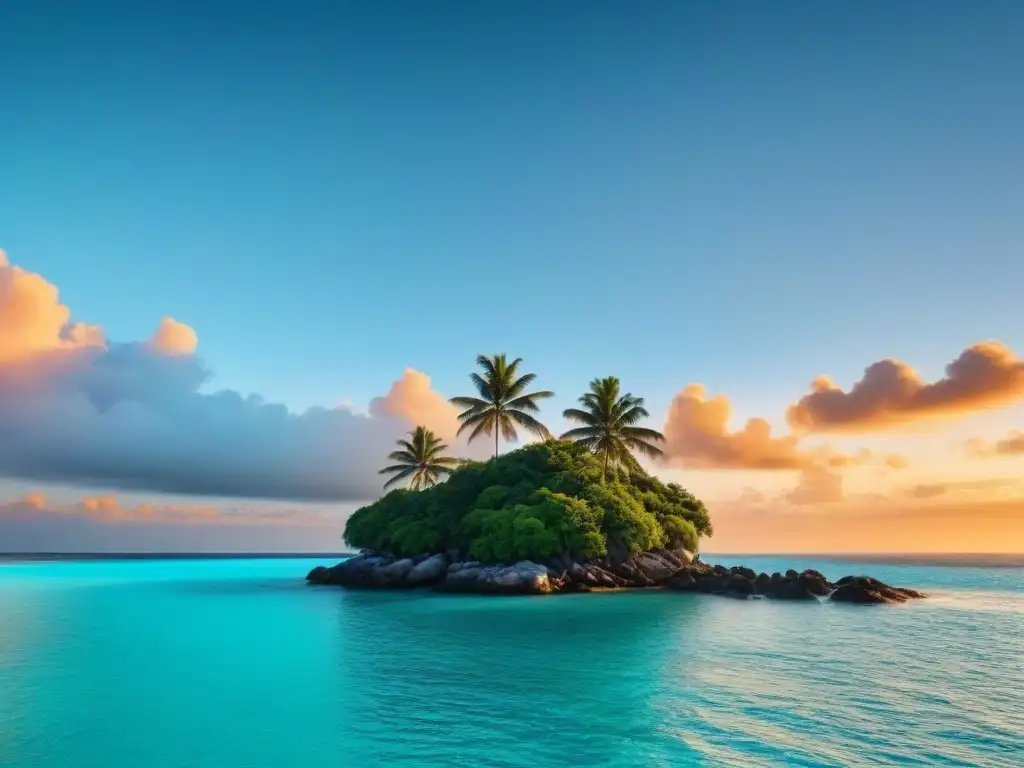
<point x="439" y="469"/>
<point x="490" y="365"/>
<point x="443" y="461"/>
<point x="517" y="386"/>
<point x="524" y="403"/>
<point x="508" y="427"/>
<point x="581" y="433"/>
<point x="509" y="371"/>
<point x="642" y="433"/>
<point x="483" y="424"/>
<point x="645" y="448"/>
<point x="527" y="421"/>
<point x="468" y="402"/>
<point x="401" y="476"/>
<point x="633" y="415"/>
<point x="394" y="468"/>
<point x="438" y="449"/>
<point x="581" y="417"/>
<point x="483" y="386"/>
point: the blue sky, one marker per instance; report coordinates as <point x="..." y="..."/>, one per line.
<point x="744" y="195"/>
<point x="328" y="192"/>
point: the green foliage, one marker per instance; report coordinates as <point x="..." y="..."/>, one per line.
<point x="504" y="402"/>
<point x="680" y="533"/>
<point x="546" y="499"/>
<point x="420" y="458"/>
<point x="609" y="428"/>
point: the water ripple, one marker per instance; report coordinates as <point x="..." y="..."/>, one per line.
<point x="249" y="670"/>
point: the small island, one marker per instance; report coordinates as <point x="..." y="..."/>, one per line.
<point x="553" y="518"/>
<point x="571" y="514"/>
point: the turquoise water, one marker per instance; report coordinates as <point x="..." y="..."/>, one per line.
<point x="238" y="664"/>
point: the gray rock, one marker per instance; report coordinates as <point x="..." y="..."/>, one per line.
<point x="395" y="573"/>
<point x="428" y="571"/>
<point x="523" y="578"/>
<point x="684" y="582"/>
<point x="655" y="568"/>
<point x="866" y="590"/>
<point x="319" y="575"/>
<point x="686" y="556"/>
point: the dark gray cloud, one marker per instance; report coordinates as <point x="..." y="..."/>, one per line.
<point x="130" y="417"/>
<point x="77" y="409"/>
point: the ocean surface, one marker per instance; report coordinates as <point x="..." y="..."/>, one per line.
<point x="236" y="663"/>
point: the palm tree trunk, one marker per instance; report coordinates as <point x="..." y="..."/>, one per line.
<point x="496" y="423"/>
<point x="604" y="468"/>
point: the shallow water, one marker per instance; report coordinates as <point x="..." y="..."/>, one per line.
<point x="238" y="664"/>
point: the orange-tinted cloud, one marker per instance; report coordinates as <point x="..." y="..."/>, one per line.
<point x="697" y="436"/>
<point x="104" y="524"/>
<point x="108" y="509"/>
<point x="412" y="398"/>
<point x="927" y="490"/>
<point x="891" y="393"/>
<point x="818" y="485"/>
<point x="985" y="489"/>
<point x="895" y="461"/>
<point x="1010" y="445"/>
<point x="174" y="338"/>
<point x="32" y="318"/>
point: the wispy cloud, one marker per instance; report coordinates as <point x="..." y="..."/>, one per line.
<point x="1012" y="444"/>
<point x="104" y="524"/>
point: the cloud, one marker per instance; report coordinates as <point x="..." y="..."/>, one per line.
<point x="1010" y="445"/>
<point x="108" y="509"/>
<point x="173" y="338"/>
<point x="870" y="526"/>
<point x="697" y="436"/>
<point x="818" y="485"/>
<point x="103" y="524"/>
<point x="751" y="496"/>
<point x="895" y="461"/>
<point x="891" y="393"/>
<point x="76" y="409"/>
<point x="927" y="490"/>
<point x="984" y="488"/>
<point x="412" y="399"/>
<point x="32" y="318"/>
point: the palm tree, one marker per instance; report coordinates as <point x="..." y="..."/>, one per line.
<point x="503" y="402"/>
<point x="609" y="429"/>
<point x="422" y="457"/>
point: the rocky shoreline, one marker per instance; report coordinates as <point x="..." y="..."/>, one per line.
<point x="676" y="570"/>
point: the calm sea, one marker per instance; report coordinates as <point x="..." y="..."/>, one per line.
<point x="238" y="664"/>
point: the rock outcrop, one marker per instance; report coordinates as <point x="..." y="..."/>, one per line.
<point x="676" y="570"/>
<point x="866" y="590"/>
<point x="523" y="578"/>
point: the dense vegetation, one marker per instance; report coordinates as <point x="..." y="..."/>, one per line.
<point x="546" y="499"/>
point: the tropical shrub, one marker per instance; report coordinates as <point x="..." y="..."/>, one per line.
<point x="546" y="499"/>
